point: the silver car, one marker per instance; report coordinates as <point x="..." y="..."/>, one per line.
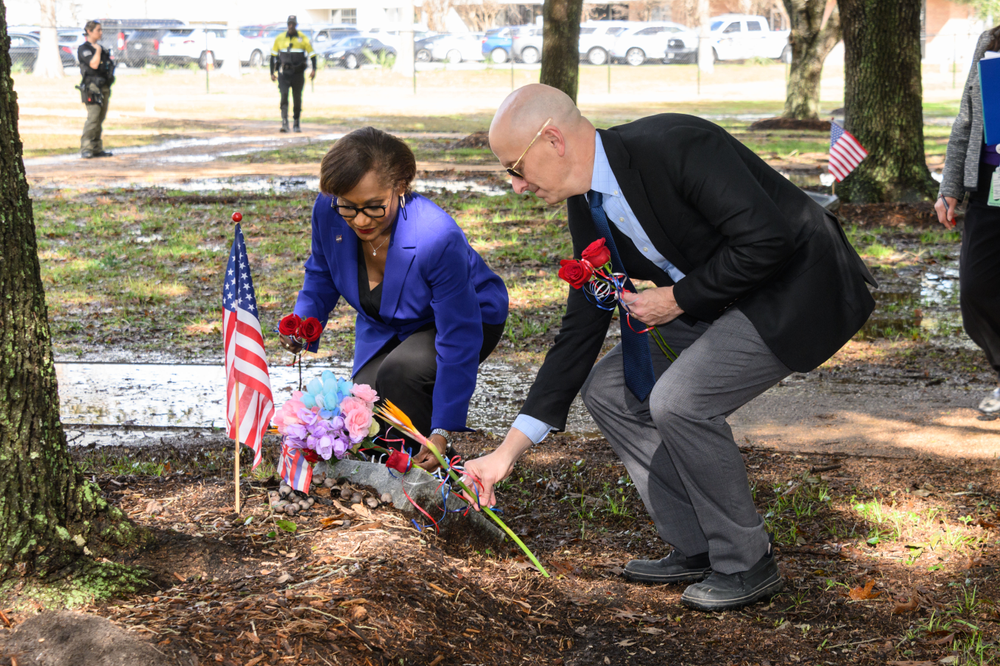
<point x="598" y="37"/>
<point x="649" y="40"/>
<point x="458" y="48"/>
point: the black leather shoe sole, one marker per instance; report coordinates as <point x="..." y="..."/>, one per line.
<point x="688" y="576"/>
<point x="765" y="590"/>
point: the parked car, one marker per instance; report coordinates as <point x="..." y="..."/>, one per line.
<point x="598" y="37"/>
<point x="742" y="36"/>
<point x="117" y="32"/>
<point x="328" y="34"/>
<point x="645" y="41"/>
<point x="498" y="42"/>
<point x="352" y="52"/>
<point x="456" y="48"/>
<point x="527" y="45"/>
<point x="422" y="49"/>
<point x="142" y="47"/>
<point x="24" y="52"/>
<point x="201" y="44"/>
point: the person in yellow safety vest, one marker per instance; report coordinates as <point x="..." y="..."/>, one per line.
<point x="289" y="56"/>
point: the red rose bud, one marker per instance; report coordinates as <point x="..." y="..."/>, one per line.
<point x="399" y="461"/>
<point x="574" y="272"/>
<point x="311" y="456"/>
<point x="597" y="253"/>
<point x="289" y="324"/>
<point x="310" y="329"/>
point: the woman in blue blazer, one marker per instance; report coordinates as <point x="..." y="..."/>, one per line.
<point x="429" y="309"/>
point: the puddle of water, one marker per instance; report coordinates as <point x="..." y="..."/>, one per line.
<point x="172" y="397"/>
<point x="919" y="307"/>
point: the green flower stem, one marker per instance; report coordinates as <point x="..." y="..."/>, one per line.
<point x="527" y="551"/>
<point x="662" y="344"/>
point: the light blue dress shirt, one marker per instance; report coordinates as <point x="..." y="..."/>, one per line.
<point x="621" y="215"/>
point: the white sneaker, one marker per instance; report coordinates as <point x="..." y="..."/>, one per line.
<point x="991" y="403"/>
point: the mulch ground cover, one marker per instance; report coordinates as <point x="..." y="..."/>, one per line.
<point x="361" y="585"/>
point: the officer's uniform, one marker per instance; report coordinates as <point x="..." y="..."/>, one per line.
<point x="289" y="56"/>
<point x="96" y="89"/>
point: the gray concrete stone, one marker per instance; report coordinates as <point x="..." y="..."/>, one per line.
<point x="421" y="487"/>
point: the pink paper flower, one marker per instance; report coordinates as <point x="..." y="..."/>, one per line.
<point x="366" y="394"/>
<point x="357" y="418"/>
<point x="288" y="414"/>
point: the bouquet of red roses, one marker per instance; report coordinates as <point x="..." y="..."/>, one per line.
<point x="605" y="288"/>
<point x="303" y="331"/>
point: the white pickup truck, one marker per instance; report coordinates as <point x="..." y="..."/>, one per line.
<point x="741" y="36"/>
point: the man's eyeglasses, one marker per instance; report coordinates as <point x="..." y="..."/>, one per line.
<point x="512" y="170"/>
<point x="349" y="212"/>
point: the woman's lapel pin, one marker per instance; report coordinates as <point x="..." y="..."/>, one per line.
<point x="339" y="238"/>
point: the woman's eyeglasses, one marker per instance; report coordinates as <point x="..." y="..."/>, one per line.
<point x="349" y="212"/>
<point x="512" y="169"/>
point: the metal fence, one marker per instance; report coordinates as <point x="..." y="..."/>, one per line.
<point x="173" y="44"/>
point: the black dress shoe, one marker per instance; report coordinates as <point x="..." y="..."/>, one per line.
<point x="674" y="568"/>
<point x="102" y="153"/>
<point x="722" y="591"/>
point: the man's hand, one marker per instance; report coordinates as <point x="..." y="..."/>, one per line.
<point x="274" y="77"/>
<point x="494" y="467"/>
<point x="312" y="74"/>
<point x="945" y="208"/>
<point x="425" y="459"/>
<point x="653" y="307"/>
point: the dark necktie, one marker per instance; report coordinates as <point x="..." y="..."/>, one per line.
<point x="636" y="359"/>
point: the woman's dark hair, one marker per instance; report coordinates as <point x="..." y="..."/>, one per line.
<point x="91" y="26"/>
<point x="994" y="44"/>
<point x="364" y="150"/>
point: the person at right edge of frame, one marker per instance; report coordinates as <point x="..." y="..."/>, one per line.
<point x="289" y="56"/>
<point x="754" y="280"/>
<point x="969" y="166"/>
<point x="98" y="71"/>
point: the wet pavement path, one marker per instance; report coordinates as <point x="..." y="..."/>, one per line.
<point x="892" y="415"/>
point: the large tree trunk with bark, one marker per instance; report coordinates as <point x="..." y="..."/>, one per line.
<point x="882" y="97"/>
<point x="811" y="41"/>
<point x="561" y="45"/>
<point x="50" y="517"/>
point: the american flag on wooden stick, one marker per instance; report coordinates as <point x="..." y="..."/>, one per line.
<point x="246" y="364"/>
<point x="846" y="152"/>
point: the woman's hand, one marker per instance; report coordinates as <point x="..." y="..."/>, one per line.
<point x="425" y="459"/>
<point x="493" y="468"/>
<point x="290" y="343"/>
<point x="654" y="307"/>
<point x="945" y="208"/>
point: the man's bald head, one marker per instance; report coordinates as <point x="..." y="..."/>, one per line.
<point x="526" y="109"/>
<point x="563" y="160"/>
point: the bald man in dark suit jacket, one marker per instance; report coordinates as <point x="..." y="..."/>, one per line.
<point x="753" y="279"/>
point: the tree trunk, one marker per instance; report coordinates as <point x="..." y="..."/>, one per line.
<point x="882" y="96"/>
<point x="49" y="62"/>
<point x="561" y="45"/>
<point x="811" y="42"/>
<point x="50" y="517"/>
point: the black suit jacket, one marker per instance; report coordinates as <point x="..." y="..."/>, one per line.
<point x="742" y="234"/>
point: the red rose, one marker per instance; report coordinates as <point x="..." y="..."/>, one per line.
<point x="310" y="456"/>
<point x="597" y="253"/>
<point x="399" y="461"/>
<point x="310" y="329"/>
<point x="574" y="272"/>
<point x="289" y="324"/>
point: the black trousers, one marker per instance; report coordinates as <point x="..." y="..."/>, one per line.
<point x="296" y="82"/>
<point x="404" y="371"/>
<point x="979" y="271"/>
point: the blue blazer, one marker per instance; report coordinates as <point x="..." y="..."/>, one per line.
<point x="432" y="275"/>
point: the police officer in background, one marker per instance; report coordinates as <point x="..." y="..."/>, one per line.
<point x="98" y="72"/>
<point x="289" y="54"/>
